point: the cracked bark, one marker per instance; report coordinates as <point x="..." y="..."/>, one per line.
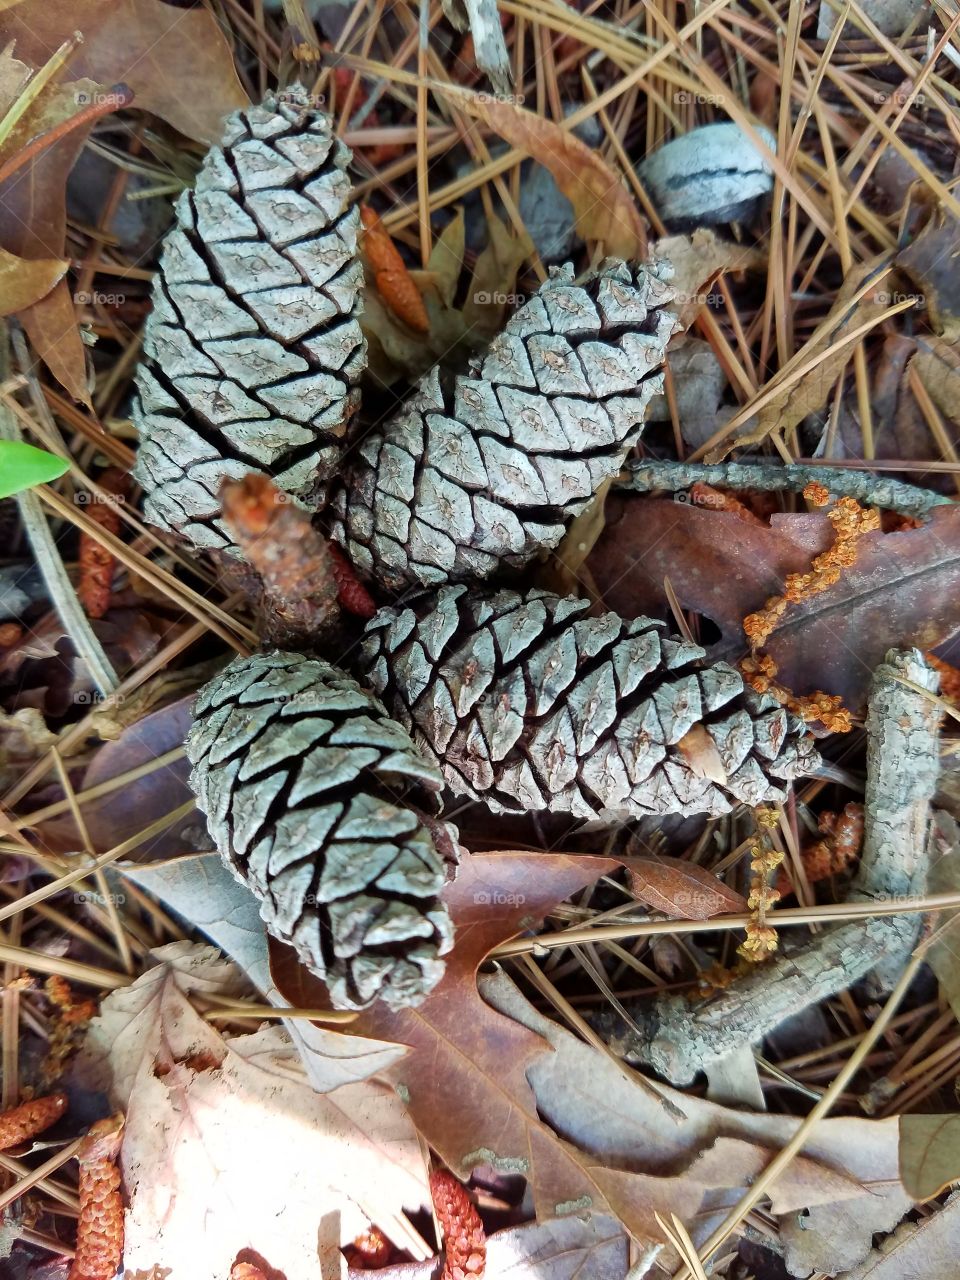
<point x="678" y="1037"/>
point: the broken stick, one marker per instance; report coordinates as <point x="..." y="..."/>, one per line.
<point x="678" y="1036"/>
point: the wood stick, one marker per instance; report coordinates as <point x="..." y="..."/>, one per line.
<point x="678" y="1036"/>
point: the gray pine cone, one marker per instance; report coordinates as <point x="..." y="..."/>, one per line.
<point x="461" y="482"/>
<point x="316" y="801"/>
<point x="527" y="702"/>
<point x="253" y="346"/>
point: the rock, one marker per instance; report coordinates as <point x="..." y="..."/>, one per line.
<point x="711" y="175"/>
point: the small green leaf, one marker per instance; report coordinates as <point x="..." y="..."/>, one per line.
<point x="21" y="466"/>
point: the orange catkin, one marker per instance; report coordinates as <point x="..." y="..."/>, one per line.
<point x="394" y="282"/>
<point x="97" y="562"/>
<point x="464" y="1239"/>
<point x="21" y="1123"/>
<point x="100" y="1228"/>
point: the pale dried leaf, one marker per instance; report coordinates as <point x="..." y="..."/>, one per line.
<point x="188" y="1094"/>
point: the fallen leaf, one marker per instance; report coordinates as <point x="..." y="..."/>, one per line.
<point x="195" y="1197"/>
<point x="564" y="571"/>
<point x="121" y="813"/>
<point x="902" y="590"/>
<point x="492" y="289"/>
<point x="929" y="1153"/>
<point x="698" y="260"/>
<point x="202" y="890"/>
<point x="482" y="1087"/>
<point x="595" y="1248"/>
<point x="604" y="209"/>
<point x="918" y="1250"/>
<point x="823" y="358"/>
<point x="680" y="889"/>
<point x="848" y="1181"/>
<point x="177" y="61"/>
<point x="24" y="282"/>
<point x="938" y="366"/>
<point x="446" y="258"/>
<point x="932" y="261"/>
<point x="465" y="1076"/>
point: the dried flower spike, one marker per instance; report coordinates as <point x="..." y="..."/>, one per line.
<point x="97" y="562"/>
<point x="100" y="1228"/>
<point x="395" y="284"/>
<point x="23" y="1122"/>
<point x="464" y="1239"/>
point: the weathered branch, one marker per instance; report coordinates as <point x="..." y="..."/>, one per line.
<point x="678" y="1036"/>
<point x="870" y="489"/>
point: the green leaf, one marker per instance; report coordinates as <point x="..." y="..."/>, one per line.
<point x="22" y="466"/>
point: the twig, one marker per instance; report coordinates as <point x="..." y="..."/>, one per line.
<point x="872" y="490"/>
<point x="58" y="584"/>
<point x="678" y="1036"/>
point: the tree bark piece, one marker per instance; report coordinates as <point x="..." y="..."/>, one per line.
<point x="678" y="1036"/>
<point x="870" y="489"/>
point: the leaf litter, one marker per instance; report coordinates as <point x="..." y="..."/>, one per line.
<point x="828" y="334"/>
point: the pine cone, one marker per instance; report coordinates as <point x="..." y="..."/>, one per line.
<point x="253" y="346"/>
<point x="527" y="702"/>
<point x="314" y="797"/>
<point x="459" y="483"/>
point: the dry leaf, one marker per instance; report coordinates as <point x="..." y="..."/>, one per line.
<point x="697" y="260"/>
<point x="938" y="366"/>
<point x="943" y="952"/>
<point x="918" y="1251"/>
<point x="680" y="889"/>
<point x="789" y="407"/>
<point x="492" y="290"/>
<point x="24" y="282"/>
<point x="603" y="208"/>
<point x="562" y="1249"/>
<point x="227" y="1147"/>
<point x="932" y="261"/>
<point x="903" y="588"/>
<point x="848" y="1176"/>
<point x="929" y="1153"/>
<point x="177" y="61"/>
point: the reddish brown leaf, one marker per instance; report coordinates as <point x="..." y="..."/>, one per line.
<point x="464" y="1076"/>
<point x="903" y="588"/>
<point x="681" y="889"/>
<point x="176" y="60"/>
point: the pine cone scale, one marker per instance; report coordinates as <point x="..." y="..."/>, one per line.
<point x="461" y="482"/>
<point x="319" y="804"/>
<point x="527" y="704"/>
<point x="253" y="347"/>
